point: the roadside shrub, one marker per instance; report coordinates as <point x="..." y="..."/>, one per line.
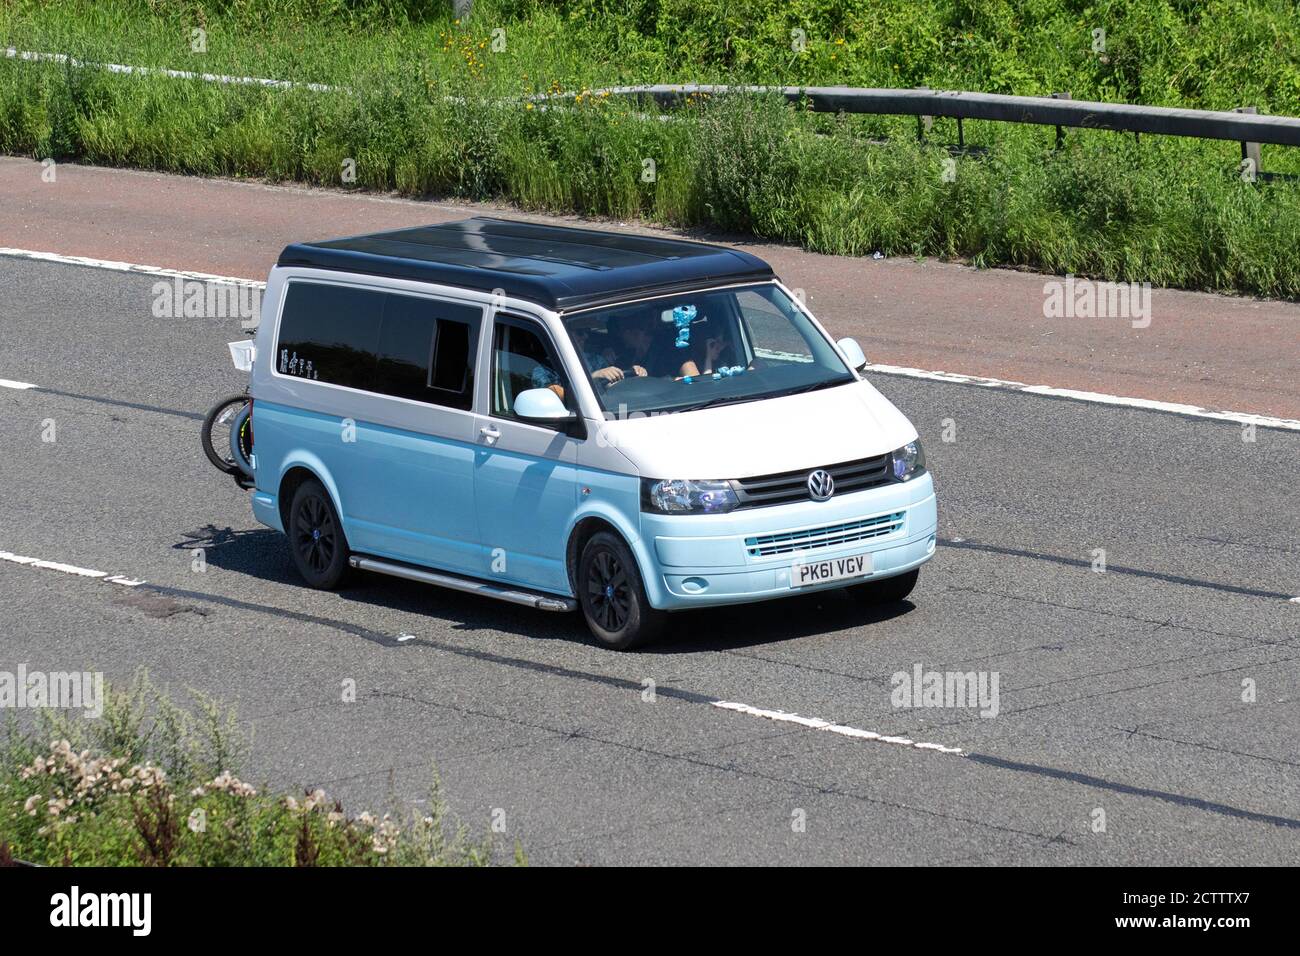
<point x="153" y="784"/>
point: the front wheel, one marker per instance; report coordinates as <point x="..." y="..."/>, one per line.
<point x="886" y="591"/>
<point x="612" y="596"/>
<point x="316" y="540"/>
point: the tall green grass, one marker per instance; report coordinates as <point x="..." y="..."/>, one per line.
<point x="428" y="111"/>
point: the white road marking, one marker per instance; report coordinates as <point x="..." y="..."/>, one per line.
<point x="7" y="383"/>
<point x="127" y="267"/>
<point x="68" y="569"/>
<point x="1096" y="398"/>
<point x="816" y="723"/>
<point x="403" y="638"/>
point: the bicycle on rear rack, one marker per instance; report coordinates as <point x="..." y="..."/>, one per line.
<point x="228" y="427"/>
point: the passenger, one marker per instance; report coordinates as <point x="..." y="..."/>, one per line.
<point x="713" y="349"/>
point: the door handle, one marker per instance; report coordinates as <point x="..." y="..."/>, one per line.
<point x="490" y="433"/>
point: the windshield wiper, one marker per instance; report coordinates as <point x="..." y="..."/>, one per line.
<point x="719" y="402"/>
<point x="812" y="387"/>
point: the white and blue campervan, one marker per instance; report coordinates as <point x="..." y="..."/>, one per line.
<point x="569" y="418"/>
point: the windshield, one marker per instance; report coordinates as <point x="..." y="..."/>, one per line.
<point x="702" y="349"/>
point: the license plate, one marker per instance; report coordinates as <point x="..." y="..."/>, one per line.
<point x="803" y="574"/>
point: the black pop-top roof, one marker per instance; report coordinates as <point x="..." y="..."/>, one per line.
<point x="560" y="267"/>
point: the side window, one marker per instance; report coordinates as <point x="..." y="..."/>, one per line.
<point x="426" y="351"/>
<point x="405" y="343"/>
<point x="400" y="345"/>
<point x="329" y="333"/>
<point x="772" y="332"/>
<point x="781" y="334"/>
<point x="522" y="358"/>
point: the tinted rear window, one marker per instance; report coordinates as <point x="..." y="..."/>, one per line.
<point x="426" y="351"/>
<point x="329" y="333"/>
<point x="405" y="341"/>
<point x="401" y="345"/>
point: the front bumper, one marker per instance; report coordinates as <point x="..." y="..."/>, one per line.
<point x="701" y="560"/>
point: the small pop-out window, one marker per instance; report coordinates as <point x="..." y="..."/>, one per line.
<point x="453" y="358"/>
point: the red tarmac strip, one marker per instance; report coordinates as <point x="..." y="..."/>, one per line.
<point x="1214" y="351"/>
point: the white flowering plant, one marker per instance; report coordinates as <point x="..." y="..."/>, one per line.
<point x="156" y="785"/>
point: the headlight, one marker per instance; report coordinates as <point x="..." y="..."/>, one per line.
<point x="908" y="461"/>
<point x="681" y="496"/>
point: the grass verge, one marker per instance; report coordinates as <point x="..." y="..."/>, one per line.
<point x="423" y="114"/>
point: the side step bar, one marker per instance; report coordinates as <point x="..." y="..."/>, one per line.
<point x="543" y="602"/>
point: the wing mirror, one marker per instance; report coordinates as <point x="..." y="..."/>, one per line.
<point x="541" y="405"/>
<point x="853" y="353"/>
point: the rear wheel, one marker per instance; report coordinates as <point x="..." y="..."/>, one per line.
<point x="613" y="597"/>
<point x="316" y="540"/>
<point x="886" y="591"/>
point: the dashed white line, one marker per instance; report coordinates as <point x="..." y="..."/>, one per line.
<point x="8" y="383"/>
<point x="1096" y="398"/>
<point x="781" y="716"/>
<point x="116" y="266"/>
<point x="816" y="723"/>
<point x="68" y="569"/>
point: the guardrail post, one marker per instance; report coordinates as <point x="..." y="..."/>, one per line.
<point x="1060" y="133"/>
<point x="923" y="123"/>
<point x="1250" y="152"/>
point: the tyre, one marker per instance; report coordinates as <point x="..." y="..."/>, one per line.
<point x="216" y="433"/>
<point x="886" y="591"/>
<point x="316" y="541"/>
<point x="612" y="596"/>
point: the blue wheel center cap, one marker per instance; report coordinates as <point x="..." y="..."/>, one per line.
<point x="315" y="535"/>
<point x="609" y="591"/>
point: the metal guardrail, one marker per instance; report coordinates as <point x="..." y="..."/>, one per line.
<point x="1040" y="110"/>
<point x="1243" y="126"/>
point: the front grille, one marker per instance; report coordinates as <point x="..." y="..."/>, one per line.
<point x="809" y="539"/>
<point x="788" y="486"/>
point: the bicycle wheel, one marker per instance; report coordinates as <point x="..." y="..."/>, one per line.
<point x="216" y="433"/>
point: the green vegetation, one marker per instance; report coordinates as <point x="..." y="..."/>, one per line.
<point x="152" y="784"/>
<point x="429" y="108"/>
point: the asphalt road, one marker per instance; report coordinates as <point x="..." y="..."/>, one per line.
<point x="1119" y="690"/>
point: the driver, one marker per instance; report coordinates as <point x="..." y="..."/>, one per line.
<point x="639" y="352"/>
<point x="602" y="372"/>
